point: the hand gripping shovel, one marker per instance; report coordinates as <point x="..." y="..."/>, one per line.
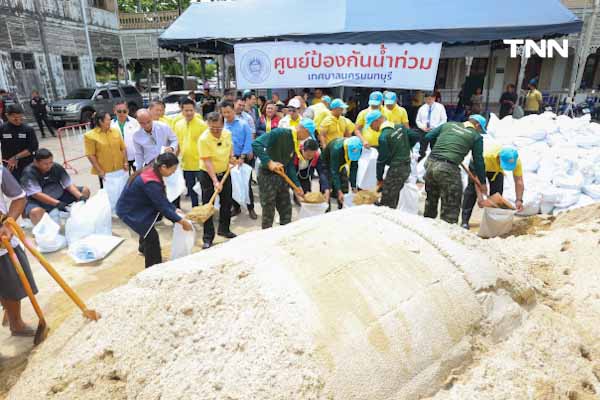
<point x="202" y="213"/>
<point x="287" y="179"/>
<point x="42" y="330"/>
<point x="89" y="314"/>
<point x="494" y="201"/>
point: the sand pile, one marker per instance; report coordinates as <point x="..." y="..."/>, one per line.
<point x="365" y="303"/>
<point x="365" y="197"/>
<point x="314" y="197"/>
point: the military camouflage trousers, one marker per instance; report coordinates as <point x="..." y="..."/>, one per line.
<point x="274" y="195"/>
<point x="393" y="184"/>
<point x="443" y="181"/>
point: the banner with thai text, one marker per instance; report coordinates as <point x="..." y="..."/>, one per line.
<point x="267" y="65"/>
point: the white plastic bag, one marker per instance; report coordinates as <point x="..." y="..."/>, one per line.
<point x="114" y="183"/>
<point x="240" y="180"/>
<point x="46" y="235"/>
<point x="409" y="199"/>
<point x="94" y="216"/>
<point x="312" y="210"/>
<point x="198" y="189"/>
<point x="593" y="191"/>
<point x="495" y="222"/>
<point x="532" y="203"/>
<point x="183" y="241"/>
<point x="348" y="200"/>
<point x="93" y="248"/>
<point x="175" y="185"/>
<point x="366" y="177"/>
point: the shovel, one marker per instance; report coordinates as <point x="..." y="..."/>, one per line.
<point x="89" y="314"/>
<point x="288" y="180"/>
<point x="42" y="329"/>
<point x="494" y="201"/>
<point x="204" y="212"/>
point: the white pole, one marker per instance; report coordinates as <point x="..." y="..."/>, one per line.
<point x="87" y="39"/>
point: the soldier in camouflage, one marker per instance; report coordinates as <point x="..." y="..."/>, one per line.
<point x="395" y="144"/>
<point x="276" y="153"/>
<point x="442" y="178"/>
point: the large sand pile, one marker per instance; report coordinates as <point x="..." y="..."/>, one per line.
<point x="365" y="303"/>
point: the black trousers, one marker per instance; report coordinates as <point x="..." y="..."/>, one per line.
<point x="150" y="246"/>
<point x="41" y="119"/>
<point x="250" y="193"/>
<point x="470" y="194"/>
<point x="131" y="166"/>
<point x="225" y="205"/>
<point x="423" y="144"/>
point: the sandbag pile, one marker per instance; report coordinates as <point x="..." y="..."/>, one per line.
<point x="560" y="156"/>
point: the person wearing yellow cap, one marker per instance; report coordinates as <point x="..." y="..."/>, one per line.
<point x="341" y="162"/>
<point x="368" y="136"/>
<point x="497" y="160"/>
<point x="334" y="125"/>
<point x="392" y="112"/>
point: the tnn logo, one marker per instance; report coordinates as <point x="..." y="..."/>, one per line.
<point x="545" y="49"/>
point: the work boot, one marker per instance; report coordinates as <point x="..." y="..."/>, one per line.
<point x="252" y="214"/>
<point x="466" y="226"/>
<point x="228" y="235"/>
<point x="236" y="211"/>
<point x="206" y="245"/>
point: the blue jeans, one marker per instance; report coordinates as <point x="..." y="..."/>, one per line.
<point x="191" y="177"/>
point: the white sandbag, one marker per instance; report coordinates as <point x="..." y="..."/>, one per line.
<point x="198" y="189"/>
<point x="495" y="222"/>
<point x="409" y="199"/>
<point x="175" y="185"/>
<point x="366" y="177"/>
<point x="348" y="200"/>
<point x="546" y="207"/>
<point x="312" y="210"/>
<point x="532" y="202"/>
<point x="114" y="183"/>
<point x="565" y="181"/>
<point x="567" y="198"/>
<point x="47" y="235"/>
<point x="240" y="184"/>
<point x="91" y="217"/>
<point x="93" y="248"/>
<point x="592" y="191"/>
<point x="183" y="241"/>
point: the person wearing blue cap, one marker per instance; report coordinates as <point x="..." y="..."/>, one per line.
<point x="392" y="112"/>
<point x="334" y="125"/>
<point x="320" y="110"/>
<point x="341" y="162"/>
<point x="497" y="160"/>
<point x="454" y="140"/>
<point x="276" y="153"/>
<point x="369" y="136"/>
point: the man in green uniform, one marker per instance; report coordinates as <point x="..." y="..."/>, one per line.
<point x="443" y="181"/>
<point x="276" y="153"/>
<point x="342" y="154"/>
<point x="395" y="144"/>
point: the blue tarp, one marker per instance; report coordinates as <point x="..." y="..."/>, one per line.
<point x="216" y="26"/>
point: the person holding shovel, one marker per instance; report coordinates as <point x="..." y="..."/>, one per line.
<point x="144" y="200"/>
<point x="11" y="288"/>
<point x="276" y="153"/>
<point x="215" y="147"/>
<point x="454" y="140"/>
<point x="497" y="160"/>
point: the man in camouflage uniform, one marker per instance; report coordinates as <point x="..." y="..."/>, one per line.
<point x="443" y="180"/>
<point x="395" y="144"/>
<point x="341" y="164"/>
<point x="276" y="153"/>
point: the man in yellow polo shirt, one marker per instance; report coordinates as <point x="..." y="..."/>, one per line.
<point x="392" y="112"/>
<point x="321" y="110"/>
<point x="188" y="131"/>
<point x="497" y="160"/>
<point x="334" y="125"/>
<point x="216" y="153"/>
<point x="368" y="136"/>
<point x="157" y="112"/>
<point x="533" y="99"/>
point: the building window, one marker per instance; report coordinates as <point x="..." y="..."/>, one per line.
<point x="23" y="60"/>
<point x="479" y="67"/>
<point x="70" y="63"/>
<point x="591" y="65"/>
<point x="108" y="5"/>
<point x="442" y="74"/>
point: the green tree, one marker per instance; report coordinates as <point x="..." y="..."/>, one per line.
<point x="131" y="6"/>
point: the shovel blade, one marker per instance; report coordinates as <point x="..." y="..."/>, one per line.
<point x="92" y="315"/>
<point x="501" y="202"/>
<point x="41" y="333"/>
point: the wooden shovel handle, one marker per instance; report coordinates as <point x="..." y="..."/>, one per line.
<point x="287" y="179"/>
<point x="55" y="275"/>
<point x="23" y="279"/>
<point x="472" y="176"/>
<point x="214" y="196"/>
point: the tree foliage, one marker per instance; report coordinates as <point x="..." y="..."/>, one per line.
<point x="132" y="6"/>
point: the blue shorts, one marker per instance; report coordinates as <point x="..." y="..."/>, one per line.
<point x="66" y="197"/>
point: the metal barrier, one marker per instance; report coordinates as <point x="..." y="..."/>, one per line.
<point x="69" y="133"/>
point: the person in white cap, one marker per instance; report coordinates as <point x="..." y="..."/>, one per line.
<point x="291" y="120"/>
<point x="334" y="125"/>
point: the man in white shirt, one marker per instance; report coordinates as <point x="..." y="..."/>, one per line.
<point x="126" y="126"/>
<point x="430" y="116"/>
<point x="291" y="120"/>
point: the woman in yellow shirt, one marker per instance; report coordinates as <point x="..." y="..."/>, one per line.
<point x="215" y="147"/>
<point x="104" y="147"/>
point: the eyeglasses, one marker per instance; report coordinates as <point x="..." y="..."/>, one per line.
<point x="121" y="111"/>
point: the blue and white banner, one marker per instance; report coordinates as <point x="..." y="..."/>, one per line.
<point x="267" y="65"/>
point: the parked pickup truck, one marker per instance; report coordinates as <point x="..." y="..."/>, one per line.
<point x="79" y="105"/>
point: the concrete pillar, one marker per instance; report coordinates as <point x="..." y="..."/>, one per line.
<point x="524" y="59"/>
<point x="468" y="64"/>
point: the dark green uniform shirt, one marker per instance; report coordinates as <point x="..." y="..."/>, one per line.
<point x="334" y="159"/>
<point x="395" y="143"/>
<point x="454" y="141"/>
<point x="277" y="146"/>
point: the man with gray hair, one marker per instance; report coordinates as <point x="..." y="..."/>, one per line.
<point x="151" y="139"/>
